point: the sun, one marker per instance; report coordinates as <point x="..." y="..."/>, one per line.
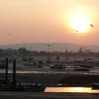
<point x="80" y="23"/>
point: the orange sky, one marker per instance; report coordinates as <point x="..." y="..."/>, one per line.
<point x="47" y="21"/>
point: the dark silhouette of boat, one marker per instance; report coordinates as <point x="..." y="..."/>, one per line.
<point x="40" y="64"/>
<point x="29" y="63"/>
<point x="23" y="87"/>
<point x="84" y="65"/>
<point x="95" y="86"/>
<point x="57" y="66"/>
<point x="81" y="69"/>
<point x="31" y="87"/>
<point x="2" y="64"/>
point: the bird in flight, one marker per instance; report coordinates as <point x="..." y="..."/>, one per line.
<point x="8" y="34"/>
<point x="75" y="30"/>
<point x="48" y="45"/>
<point x="91" y="25"/>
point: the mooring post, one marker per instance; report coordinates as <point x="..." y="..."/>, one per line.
<point x="14" y="73"/>
<point x="6" y="70"/>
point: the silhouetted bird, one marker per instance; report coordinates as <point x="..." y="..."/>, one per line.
<point x="75" y="30"/>
<point x="48" y="45"/>
<point x="91" y="25"/>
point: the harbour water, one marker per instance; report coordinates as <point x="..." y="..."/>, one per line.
<point x="71" y="89"/>
<point x="47" y="70"/>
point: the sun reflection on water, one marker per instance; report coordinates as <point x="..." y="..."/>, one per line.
<point x="71" y="89"/>
<point x="78" y="89"/>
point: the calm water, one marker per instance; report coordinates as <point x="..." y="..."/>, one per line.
<point x="71" y="89"/>
<point x="67" y="71"/>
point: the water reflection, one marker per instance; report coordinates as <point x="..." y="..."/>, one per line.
<point x="71" y="89"/>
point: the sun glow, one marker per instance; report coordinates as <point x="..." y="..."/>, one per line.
<point x="78" y="89"/>
<point x="80" y="23"/>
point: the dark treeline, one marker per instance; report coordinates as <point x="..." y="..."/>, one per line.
<point x="23" y="51"/>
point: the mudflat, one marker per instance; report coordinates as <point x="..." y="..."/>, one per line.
<point x="45" y="95"/>
<point x="69" y="79"/>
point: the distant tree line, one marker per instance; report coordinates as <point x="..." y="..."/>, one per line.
<point x="23" y="51"/>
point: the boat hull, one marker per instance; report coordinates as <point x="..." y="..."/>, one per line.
<point x="81" y="69"/>
<point x="95" y="86"/>
<point x="32" y="88"/>
<point x="39" y="88"/>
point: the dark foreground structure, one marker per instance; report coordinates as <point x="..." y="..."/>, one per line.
<point x="12" y="85"/>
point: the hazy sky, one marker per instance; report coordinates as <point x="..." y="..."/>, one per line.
<point x="48" y="21"/>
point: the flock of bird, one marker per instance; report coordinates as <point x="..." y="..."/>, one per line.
<point x="48" y="44"/>
<point x="18" y="36"/>
<point x="74" y="30"/>
<point x="89" y="24"/>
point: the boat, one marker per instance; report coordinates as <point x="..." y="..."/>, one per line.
<point x="40" y="64"/>
<point x="29" y="63"/>
<point x="38" y="88"/>
<point x="23" y="87"/>
<point x="95" y="86"/>
<point x="31" y="87"/>
<point x="86" y="66"/>
<point x="81" y="69"/>
<point x="57" y="66"/>
<point x="2" y="64"/>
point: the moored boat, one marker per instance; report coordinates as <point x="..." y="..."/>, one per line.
<point x="22" y="87"/>
<point x="29" y="63"/>
<point x="2" y="64"/>
<point x="95" y="86"/>
<point x="31" y="87"/>
<point x="57" y="66"/>
<point x="81" y="69"/>
<point x="86" y="66"/>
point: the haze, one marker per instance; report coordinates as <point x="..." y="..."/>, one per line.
<point x="46" y="21"/>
